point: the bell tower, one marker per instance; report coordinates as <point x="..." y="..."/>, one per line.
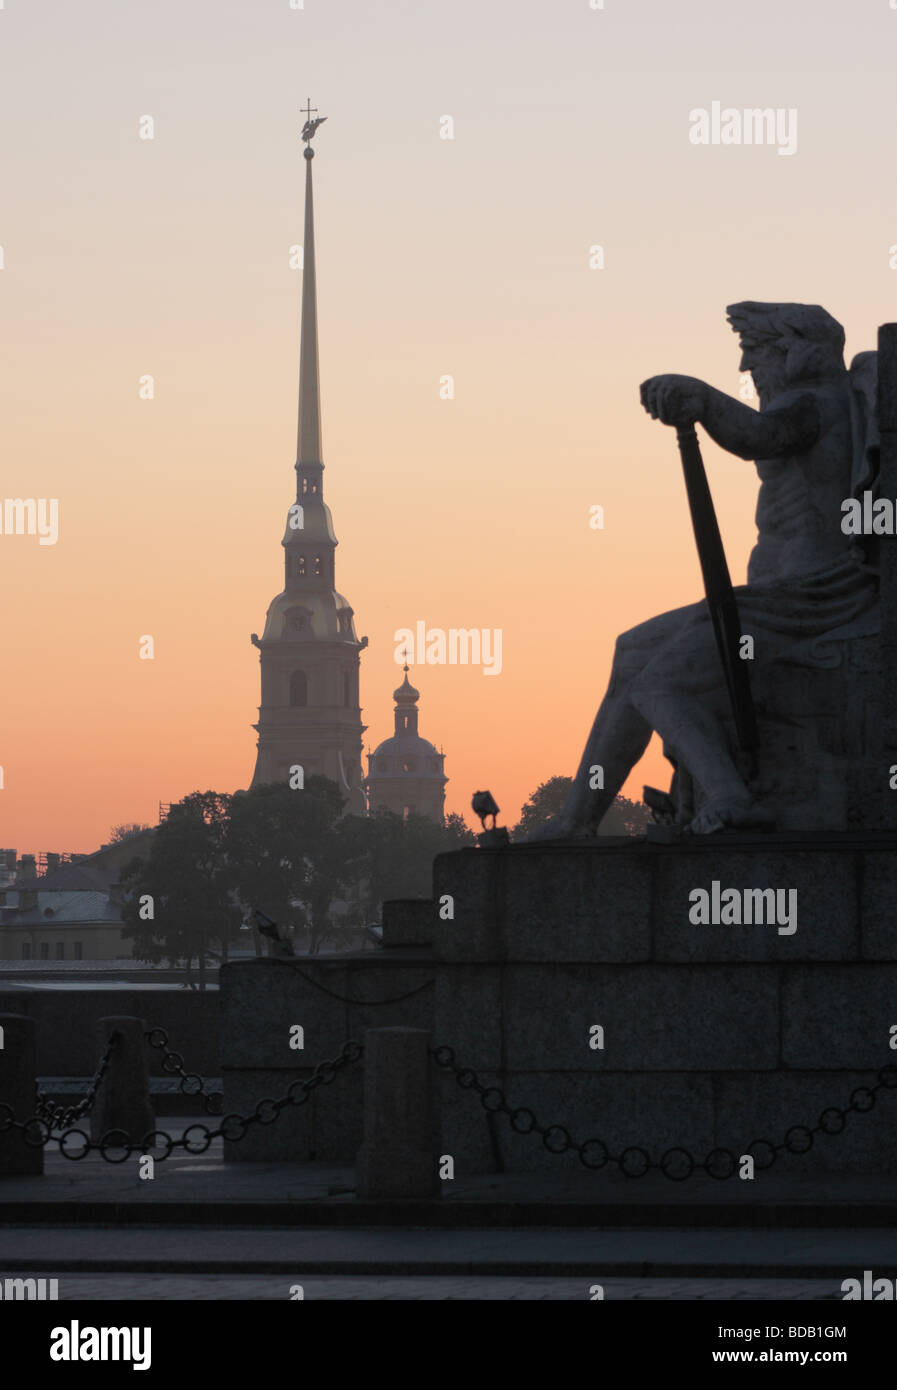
<point x="406" y="775"/>
<point x="310" y="716"/>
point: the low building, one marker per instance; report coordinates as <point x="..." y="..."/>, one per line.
<point x="69" y="913"/>
<point x="72" y="924"/>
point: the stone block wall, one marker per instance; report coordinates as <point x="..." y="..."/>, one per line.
<point x="332" y="1000"/>
<point x="713" y="1035"/>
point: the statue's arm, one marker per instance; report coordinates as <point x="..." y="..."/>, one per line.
<point x="760" y="434"/>
<point x="750" y="434"/>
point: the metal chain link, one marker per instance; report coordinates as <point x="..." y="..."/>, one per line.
<point x="173" y="1064"/>
<point x="62" y="1116"/>
<point x="116" y="1147"/>
<point x="677" y="1164"/>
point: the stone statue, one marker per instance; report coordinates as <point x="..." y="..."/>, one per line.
<point x="810" y="606"/>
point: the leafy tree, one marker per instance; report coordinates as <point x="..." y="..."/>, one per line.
<point x="546" y="802"/>
<point x="399" y="861"/>
<point x="623" y="817"/>
<point x="126" y="831"/>
<point x="186" y="884"/>
<point x="635" y="815"/>
<point x="458" y="831"/>
<point x="287" y="854"/>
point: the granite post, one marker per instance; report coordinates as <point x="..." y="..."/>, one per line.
<point x="123" y="1100"/>
<point x="887" y="424"/>
<point x="18" y="1090"/>
<point x="398" y="1156"/>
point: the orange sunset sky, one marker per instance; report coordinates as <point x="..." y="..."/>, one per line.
<point x="470" y="257"/>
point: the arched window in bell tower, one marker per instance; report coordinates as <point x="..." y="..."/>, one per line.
<point x="347" y="688"/>
<point x="299" y="566"/>
<point x="298" y="688"/>
<point x="319" y="564"/>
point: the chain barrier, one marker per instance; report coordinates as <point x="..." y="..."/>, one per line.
<point x="116" y="1147"/>
<point x="190" y="1083"/>
<point x="677" y="1164"/>
<point x="62" y="1116"/>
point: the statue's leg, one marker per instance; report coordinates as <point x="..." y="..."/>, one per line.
<point x="681" y="693"/>
<point x="620" y="733"/>
<point x="618" y="738"/>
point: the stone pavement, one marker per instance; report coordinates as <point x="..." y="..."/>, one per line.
<point x="197" y="1187"/>
<point x="218" y="1287"/>
<point x="203" y="1229"/>
<point x="296" y="1252"/>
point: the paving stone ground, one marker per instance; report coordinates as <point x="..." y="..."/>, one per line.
<point x="225" y="1237"/>
<point x="375" y="1289"/>
<point x="203" y="1179"/>
<point x="297" y="1254"/>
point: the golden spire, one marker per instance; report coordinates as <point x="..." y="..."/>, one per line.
<point x="309" y="440"/>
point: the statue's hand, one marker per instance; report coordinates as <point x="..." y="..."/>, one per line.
<point x="674" y="400"/>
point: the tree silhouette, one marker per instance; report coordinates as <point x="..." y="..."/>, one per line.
<point x="178" y="902"/>
<point x="623" y="817"/>
<point x="126" y="831"/>
<point x="290" y="853"/>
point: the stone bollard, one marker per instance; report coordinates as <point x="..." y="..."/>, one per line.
<point x="123" y="1099"/>
<point x="18" y="1089"/>
<point x="398" y="1155"/>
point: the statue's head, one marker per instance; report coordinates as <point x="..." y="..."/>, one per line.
<point x="786" y="345"/>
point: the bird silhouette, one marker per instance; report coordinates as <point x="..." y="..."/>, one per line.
<point x="484" y="805"/>
<point x="268" y="927"/>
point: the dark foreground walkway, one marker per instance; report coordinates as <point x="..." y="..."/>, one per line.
<point x="203" y="1188"/>
<point x="203" y="1229"/>
<point x="221" y="1287"/>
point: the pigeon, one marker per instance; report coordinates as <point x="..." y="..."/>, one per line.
<point x="269" y="928"/>
<point x="484" y="805"/>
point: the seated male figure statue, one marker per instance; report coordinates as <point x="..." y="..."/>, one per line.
<point x="807" y="580"/>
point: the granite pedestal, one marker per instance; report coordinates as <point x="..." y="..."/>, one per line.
<point x="572" y="977"/>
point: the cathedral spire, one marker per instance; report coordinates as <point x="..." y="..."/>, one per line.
<point x="309" y="439"/>
<point x="309" y="717"/>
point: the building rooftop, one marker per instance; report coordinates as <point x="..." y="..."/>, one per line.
<point x="60" y="909"/>
<point x="79" y="876"/>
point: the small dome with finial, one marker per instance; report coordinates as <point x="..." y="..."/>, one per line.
<point x="406" y="772"/>
<point x="406" y="693"/>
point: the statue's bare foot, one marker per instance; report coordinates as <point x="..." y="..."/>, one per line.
<point x="732" y="813"/>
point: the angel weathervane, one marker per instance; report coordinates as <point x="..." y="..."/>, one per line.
<point x="311" y="126"/>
